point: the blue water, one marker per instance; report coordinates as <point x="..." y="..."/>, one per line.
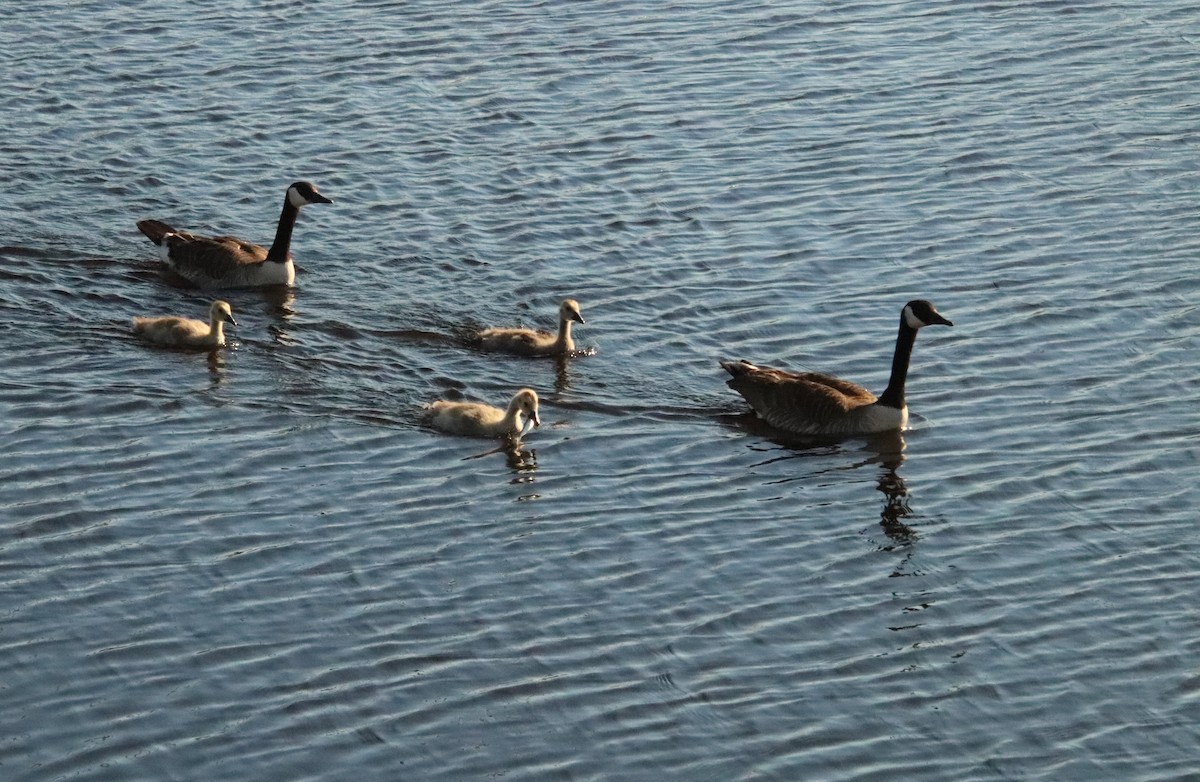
<point x="259" y="564"/>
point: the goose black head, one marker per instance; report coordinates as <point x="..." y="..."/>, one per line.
<point x="919" y="313"/>
<point x="304" y="193"/>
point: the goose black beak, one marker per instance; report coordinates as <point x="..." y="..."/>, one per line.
<point x="942" y="321"/>
<point x="230" y="319"/>
<point x="317" y="198"/>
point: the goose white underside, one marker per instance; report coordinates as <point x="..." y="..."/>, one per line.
<point x="881" y="418"/>
<point x="270" y="273"/>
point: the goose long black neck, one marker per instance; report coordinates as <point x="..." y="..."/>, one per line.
<point x="282" y="245"/>
<point x="893" y="395"/>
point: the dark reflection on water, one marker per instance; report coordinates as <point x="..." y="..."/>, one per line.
<point x="562" y="375"/>
<point x="216" y="366"/>
<point x="518" y="458"/>
<point x="279" y="301"/>
<point x="895" y="508"/>
<point x="885" y="449"/>
<point x="522" y="461"/>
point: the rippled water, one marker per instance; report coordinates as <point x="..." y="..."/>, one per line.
<point x="259" y="565"/>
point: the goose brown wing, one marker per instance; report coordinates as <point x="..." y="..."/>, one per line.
<point x="241" y="251"/>
<point x="799" y="401"/>
<point x="853" y="392"/>
<point x="216" y="257"/>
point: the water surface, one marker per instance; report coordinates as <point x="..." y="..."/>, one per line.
<point x="259" y="564"/>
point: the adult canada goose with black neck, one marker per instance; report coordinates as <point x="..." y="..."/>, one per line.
<point x="229" y="262"/>
<point x="815" y="404"/>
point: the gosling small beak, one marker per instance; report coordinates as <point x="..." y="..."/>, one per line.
<point x="230" y="319"/>
<point x="579" y="319"/>
<point x="537" y="421"/>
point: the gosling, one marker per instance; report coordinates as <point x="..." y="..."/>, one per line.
<point x="531" y="342"/>
<point x="476" y="419"/>
<point x="177" y="331"/>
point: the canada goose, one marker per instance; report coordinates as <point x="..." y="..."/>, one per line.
<point x="185" y="332"/>
<point x="229" y="262"/>
<point x="480" y="420"/>
<point x="811" y="403"/>
<point x="530" y="342"/>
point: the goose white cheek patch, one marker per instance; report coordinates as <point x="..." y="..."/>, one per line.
<point x="295" y="199"/>
<point x="912" y="320"/>
<point x="164" y="249"/>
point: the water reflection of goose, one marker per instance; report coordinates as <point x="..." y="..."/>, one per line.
<point x="895" y="506"/>
<point x="476" y="419"/>
<point x="562" y="374"/>
<point x="811" y="403"/>
<point x="229" y="262"/>
<point x="176" y="331"/>
<point x="531" y="342"/>
<point x="279" y="301"/>
<point x="522" y="461"/>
